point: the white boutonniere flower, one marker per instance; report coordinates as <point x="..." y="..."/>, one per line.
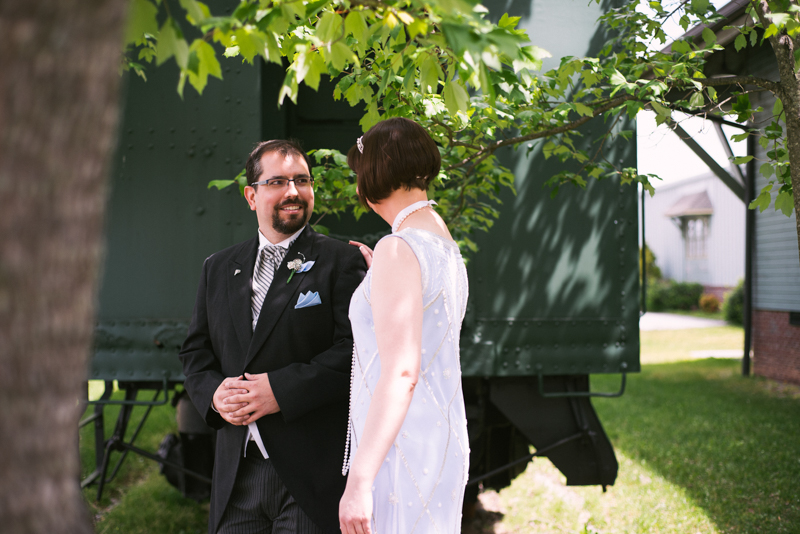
<point x="297" y="266"/>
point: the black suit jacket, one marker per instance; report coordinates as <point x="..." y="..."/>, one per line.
<point x="306" y="353"/>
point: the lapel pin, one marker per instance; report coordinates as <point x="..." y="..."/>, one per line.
<point x="237" y="271"/>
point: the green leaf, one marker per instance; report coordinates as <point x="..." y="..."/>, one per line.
<point x="371" y="117"/>
<point x="250" y="42"/>
<point x="784" y="203"/>
<point x="455" y="98"/>
<point x="762" y="200"/>
<point x="356" y="26"/>
<point x="271" y="52"/>
<point x="289" y="87"/>
<point x="777" y="109"/>
<point x="709" y="37"/>
<point x="294" y="9"/>
<point x="202" y="63"/>
<point x="740" y="160"/>
<point x="767" y="170"/>
<point x="583" y="109"/>
<point x="418" y="27"/>
<point x="700" y="6"/>
<point x="194" y="13"/>
<point x="329" y="26"/>
<point x="508" y="22"/>
<point x="302" y="61"/>
<point x="712" y="93"/>
<point x="740" y="42"/>
<point x="208" y="59"/>
<point x="661" y="110"/>
<point x="315" y="71"/>
<point x="753" y="37"/>
<point x="220" y="184"/>
<point x="739" y="137"/>
<point x="405" y="18"/>
<point x="697" y="101"/>
<point x="682" y="47"/>
<point x="771" y="30"/>
<point x="779" y="19"/>
<point x="171" y="43"/>
<point x="341" y="55"/>
<point x="141" y="19"/>
<point x="321" y="229"/>
<point x="742" y="108"/>
<point x="429" y="75"/>
<point x="617" y="78"/>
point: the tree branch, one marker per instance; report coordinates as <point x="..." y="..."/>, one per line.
<point x="489" y="149"/>
<point x="769" y="85"/>
<point x="564" y="128"/>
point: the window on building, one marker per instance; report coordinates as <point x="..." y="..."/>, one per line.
<point x="695" y="234"/>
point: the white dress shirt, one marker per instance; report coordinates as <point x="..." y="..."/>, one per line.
<point x="252" y="428"/>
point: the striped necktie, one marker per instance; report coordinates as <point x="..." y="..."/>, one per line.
<point x="268" y="261"/>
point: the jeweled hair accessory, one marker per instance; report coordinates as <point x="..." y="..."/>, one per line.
<point x="360" y="144"/>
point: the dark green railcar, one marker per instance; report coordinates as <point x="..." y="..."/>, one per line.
<point x="553" y="289"/>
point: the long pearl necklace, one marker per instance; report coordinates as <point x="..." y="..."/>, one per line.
<point x="408" y="210"/>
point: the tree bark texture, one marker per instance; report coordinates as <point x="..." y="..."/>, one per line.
<point x="789" y="93"/>
<point x="59" y="79"/>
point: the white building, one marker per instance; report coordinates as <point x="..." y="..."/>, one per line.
<point x="695" y="228"/>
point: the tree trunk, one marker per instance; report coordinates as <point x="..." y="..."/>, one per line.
<point x="783" y="47"/>
<point x="790" y="86"/>
<point x="59" y="78"/>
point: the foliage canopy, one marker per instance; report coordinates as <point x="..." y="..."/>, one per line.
<point x="477" y="86"/>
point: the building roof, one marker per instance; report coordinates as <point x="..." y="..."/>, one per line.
<point x="733" y="14"/>
<point x="695" y="204"/>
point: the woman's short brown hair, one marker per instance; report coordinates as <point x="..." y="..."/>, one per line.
<point x="397" y="153"/>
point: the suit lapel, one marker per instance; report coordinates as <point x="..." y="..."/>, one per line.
<point x="240" y="290"/>
<point x="280" y="293"/>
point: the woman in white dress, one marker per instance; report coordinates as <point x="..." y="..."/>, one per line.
<point x="408" y="454"/>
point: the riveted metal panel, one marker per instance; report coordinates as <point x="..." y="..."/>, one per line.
<point x="139" y="350"/>
<point x="163" y="221"/>
<point x="554" y="287"/>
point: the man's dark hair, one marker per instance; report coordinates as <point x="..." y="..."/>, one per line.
<point x="398" y="152"/>
<point x="285" y="147"/>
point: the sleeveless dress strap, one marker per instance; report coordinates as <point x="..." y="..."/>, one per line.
<point x="413" y="241"/>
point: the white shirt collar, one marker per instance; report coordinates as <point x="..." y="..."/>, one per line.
<point x="263" y="241"/>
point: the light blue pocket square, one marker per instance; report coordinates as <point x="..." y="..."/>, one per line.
<point x="306" y="300"/>
<point x="305" y="267"/>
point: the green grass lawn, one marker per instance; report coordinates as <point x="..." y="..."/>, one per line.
<point x="139" y="500"/>
<point x="701" y="450"/>
<point x="661" y="346"/>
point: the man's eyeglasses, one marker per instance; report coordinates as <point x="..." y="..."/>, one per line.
<point x="280" y="183"/>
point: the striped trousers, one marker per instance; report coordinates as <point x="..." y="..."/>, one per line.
<point x="261" y="504"/>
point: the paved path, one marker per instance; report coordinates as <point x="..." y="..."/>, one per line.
<point x="671" y="321"/>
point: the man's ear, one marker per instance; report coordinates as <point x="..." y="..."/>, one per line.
<point x="250" y="196"/>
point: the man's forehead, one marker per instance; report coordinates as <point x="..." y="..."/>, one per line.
<point x="275" y="162"/>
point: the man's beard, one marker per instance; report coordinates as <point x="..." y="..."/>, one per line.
<point x="296" y="222"/>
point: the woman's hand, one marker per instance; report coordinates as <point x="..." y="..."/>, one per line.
<point x="365" y="251"/>
<point x="355" y="511"/>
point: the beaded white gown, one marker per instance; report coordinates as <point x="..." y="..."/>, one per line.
<point x="420" y="486"/>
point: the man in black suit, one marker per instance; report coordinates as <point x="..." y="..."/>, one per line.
<point x="267" y="358"/>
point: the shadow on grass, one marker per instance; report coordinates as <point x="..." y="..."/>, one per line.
<point x="139" y="500"/>
<point x="732" y="442"/>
